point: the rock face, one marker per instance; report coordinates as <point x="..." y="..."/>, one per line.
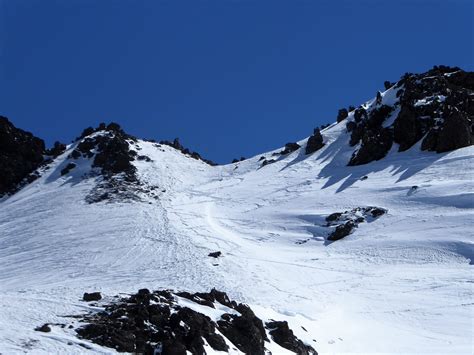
<point x="437" y="105"/>
<point x="21" y="154"/>
<point x="159" y="323"/>
<point x="456" y="132"/>
<point x="375" y="145"/>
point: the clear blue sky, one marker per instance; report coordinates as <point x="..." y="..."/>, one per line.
<point x="230" y="78"/>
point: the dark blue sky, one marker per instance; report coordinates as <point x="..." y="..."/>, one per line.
<point x="230" y="78"/>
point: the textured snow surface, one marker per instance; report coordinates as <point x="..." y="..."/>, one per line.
<point x="400" y="284"/>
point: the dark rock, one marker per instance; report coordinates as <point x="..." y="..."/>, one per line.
<point x="377" y="116"/>
<point x="462" y="78"/>
<point x="93" y="296"/>
<point x="136" y="324"/>
<point x="215" y="254"/>
<point x="455" y="133"/>
<point x="407" y="129"/>
<point x="266" y="162"/>
<point x="283" y="336"/>
<point x="144" y="158"/>
<point x="45" y="328"/>
<point x="76" y="154"/>
<point x="345" y="222"/>
<point x="333" y="217"/>
<point x="360" y="114"/>
<point x="290" y="148"/>
<point x="387" y="85"/>
<point x="86" y="132"/>
<point x="376" y="211"/>
<point x="68" y="168"/>
<point x="21" y="154"/>
<point x="143" y="292"/>
<point x="350" y="126"/>
<point x="114" y="156"/>
<point x="375" y="145"/>
<point x="235" y="161"/>
<point x="57" y="149"/>
<point x="173" y="347"/>
<point x="342" y="115"/>
<point x="113" y="127"/>
<point x="315" y="142"/>
<point x="342" y="231"/>
<point x="378" y="98"/>
<point x="246" y="331"/>
<point x="431" y="140"/>
<point x="178" y="146"/>
<point x="357" y="132"/>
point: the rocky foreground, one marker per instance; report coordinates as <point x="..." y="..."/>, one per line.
<point x="163" y="322"/>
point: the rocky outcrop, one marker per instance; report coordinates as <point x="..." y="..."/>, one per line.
<point x="21" y="153"/>
<point x="456" y="132"/>
<point x="437" y="105"/>
<point x="112" y="152"/>
<point x="178" y="146"/>
<point x="93" y="296"/>
<point x="375" y="146"/>
<point x="290" y="148"/>
<point x="343" y="223"/>
<point x="342" y="115"/>
<point x="283" y="336"/>
<point x="315" y="142"/>
<point x="159" y="323"/>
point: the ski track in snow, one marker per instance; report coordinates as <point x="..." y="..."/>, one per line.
<point x="400" y="284"/>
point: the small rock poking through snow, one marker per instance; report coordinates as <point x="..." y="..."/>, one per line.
<point x="345" y="222"/>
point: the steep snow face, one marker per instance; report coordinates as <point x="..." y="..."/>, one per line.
<point x="398" y="283"/>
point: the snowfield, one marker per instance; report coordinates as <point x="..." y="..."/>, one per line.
<point x="402" y="283"/>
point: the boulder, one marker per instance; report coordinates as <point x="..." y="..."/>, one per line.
<point x="342" y="231"/>
<point x="57" y="149"/>
<point x="342" y="115"/>
<point x="68" y="168"/>
<point x="290" y="148"/>
<point x="45" y="328"/>
<point x="93" y="296"/>
<point x="315" y="142"/>
<point x="215" y="254"/>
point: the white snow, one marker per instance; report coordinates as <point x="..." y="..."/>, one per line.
<point x="400" y="284"/>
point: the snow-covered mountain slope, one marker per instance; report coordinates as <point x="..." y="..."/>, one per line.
<point x="399" y="283"/>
